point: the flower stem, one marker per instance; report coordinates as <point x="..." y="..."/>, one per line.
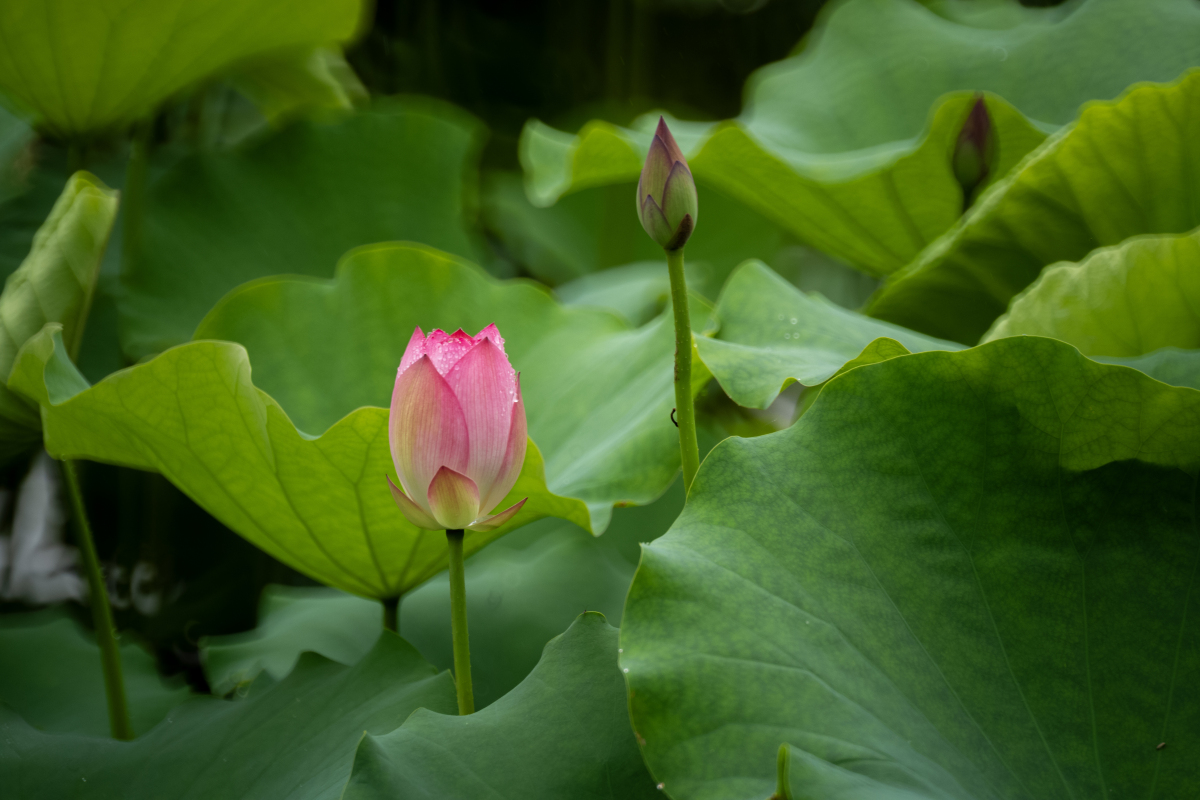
<point x="458" y="624"/>
<point x="685" y="412"/>
<point x="110" y="655"/>
<point x="391" y="616"/>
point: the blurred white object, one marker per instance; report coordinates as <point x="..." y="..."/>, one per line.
<point x="35" y="565"/>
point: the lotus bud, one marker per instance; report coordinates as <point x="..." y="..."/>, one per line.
<point x="666" y="194"/>
<point x="456" y="430"/>
<point x="975" y="151"/>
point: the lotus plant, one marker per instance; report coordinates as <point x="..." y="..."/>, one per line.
<point x="667" y="206"/>
<point x="457" y="433"/>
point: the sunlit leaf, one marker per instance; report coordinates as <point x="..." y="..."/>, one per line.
<point x="50" y="674"/>
<point x="55" y="283"/>
<point x="1126" y="168"/>
<point x="80" y="69"/>
<point x="319" y="504"/>
<point x="564" y="732"/>
<point x="598" y="394"/>
<point x="295" y="460"/>
<point x="959" y="575"/>
<point x="295" y="739"/>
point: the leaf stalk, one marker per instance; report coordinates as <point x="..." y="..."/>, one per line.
<point x="685" y="411"/>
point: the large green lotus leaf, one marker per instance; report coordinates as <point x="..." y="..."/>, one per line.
<point x="50" y="673"/>
<point x="294" y="203"/>
<point x="772" y="334"/>
<point x="294" y="739"/>
<point x="592" y="231"/>
<point x="563" y="732"/>
<point x="1125" y="168"/>
<point x="847" y="144"/>
<point x="1127" y="300"/>
<point x="55" y="283"/>
<point x="598" y="394"/>
<point x="318" y="503"/>
<point x="959" y="575"/>
<point x="80" y="69"/>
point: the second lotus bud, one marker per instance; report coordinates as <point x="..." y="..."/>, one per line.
<point x="457" y="431"/>
<point x="666" y="194"/>
<point x="974" y="151"/>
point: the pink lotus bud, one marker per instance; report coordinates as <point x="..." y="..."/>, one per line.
<point x="457" y="430"/>
<point x="666" y="194"/>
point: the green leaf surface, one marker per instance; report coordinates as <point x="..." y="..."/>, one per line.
<point x="83" y="69"/>
<point x="294" y="203"/>
<point x="773" y="334"/>
<point x="1127" y="300"/>
<point x="1126" y="168"/>
<point x="318" y="503"/>
<point x="564" y="732"/>
<point x="594" y="231"/>
<point x="847" y="144"/>
<point x="294" y="739"/>
<point x="959" y="575"/>
<point x="55" y="283"/>
<point x="50" y="674"/>
<point x="598" y="394"/>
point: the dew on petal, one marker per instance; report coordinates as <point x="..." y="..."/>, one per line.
<point x="445" y="350"/>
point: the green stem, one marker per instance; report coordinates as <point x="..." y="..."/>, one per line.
<point x="391" y="608"/>
<point x="685" y="412"/>
<point x="110" y="655"/>
<point x="458" y="624"/>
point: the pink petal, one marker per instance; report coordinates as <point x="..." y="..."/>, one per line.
<point x="447" y="348"/>
<point x="493" y="333"/>
<point x="514" y="455"/>
<point x="426" y="428"/>
<point x="411" y="511"/>
<point x="415" y="349"/>
<point x="454" y="499"/>
<point x="486" y="387"/>
<point x="485" y="524"/>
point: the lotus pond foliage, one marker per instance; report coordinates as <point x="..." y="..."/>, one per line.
<point x="360" y="439"/>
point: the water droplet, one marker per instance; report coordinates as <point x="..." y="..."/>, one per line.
<point x="1001" y="52"/>
<point x="781" y="317"/>
<point x="620" y="649"/>
<point x="660" y="786"/>
<point x="787" y="336"/>
<point x="793" y="320"/>
<point x="626" y="670"/>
